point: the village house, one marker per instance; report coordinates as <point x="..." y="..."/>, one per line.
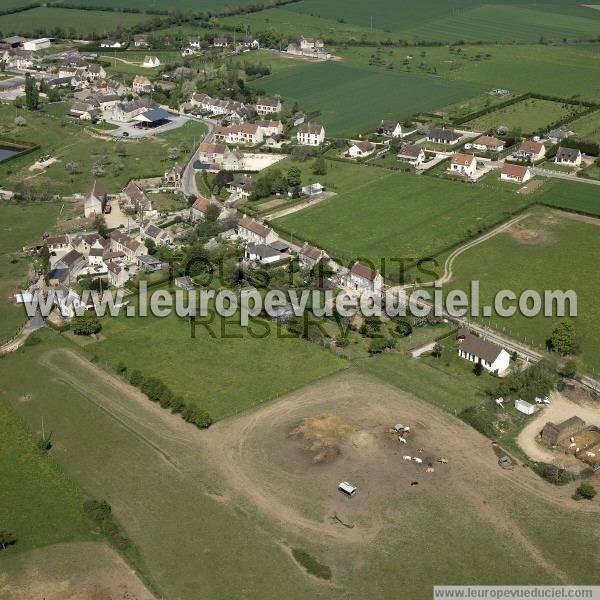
<point x="127" y="111"/>
<point x="310" y="135"/>
<point x="141" y="85"/>
<point x="308" y="47"/>
<point x="248" y="134"/>
<point x="364" y="279"/>
<point x="309" y="255"/>
<point x="254" y="232"/>
<point x="241" y="187"/>
<point x="463" y="164"/>
<point x="150" y="62"/>
<point x="95" y="257"/>
<point x="516" y="173"/>
<point x="121" y="242"/>
<point x="266" y="253"/>
<point x="94" y="200"/>
<point x="111" y="44"/>
<point x="487" y="143"/>
<point x="441" y="135"/>
<point x="35" y="45"/>
<point x="138" y="198"/>
<point x="172" y="176"/>
<point x="57" y="243"/>
<point x="560" y="434"/>
<point x="85" y="242"/>
<point x="568" y="156"/>
<point x="195" y="43"/>
<point x="118" y="276"/>
<point x="412" y="154"/>
<point x="492" y="357"/>
<point x="200" y="208"/>
<point x="140" y="40"/>
<point x="360" y="149"/>
<point x="268" y="106"/>
<point x="96" y="72"/>
<point x="108" y="102"/>
<point x="68" y="301"/>
<point x="81" y="110"/>
<point x="531" y="150"/>
<point x="270" y="128"/>
<point x="390" y="128"/>
<point x="211" y="153"/>
<point x="160" y="237"/>
<point x="73" y="261"/>
<point x="221" y="42"/>
<point x="20" y="60"/>
<point x="149" y="263"/>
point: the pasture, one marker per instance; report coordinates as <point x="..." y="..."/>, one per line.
<point x="77" y="151"/>
<point x="587" y="127"/>
<point x="369" y="95"/>
<point x="247" y="482"/>
<point x="20" y="224"/>
<point x="537" y="254"/>
<point x="401" y="216"/>
<point x="527" y="116"/>
<point x="72" y="23"/>
<point x="571" y="195"/>
<point x="469" y="20"/>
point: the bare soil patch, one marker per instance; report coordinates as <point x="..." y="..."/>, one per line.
<point x="530" y="236"/>
<point x="81" y="571"/>
<point x="530" y="187"/>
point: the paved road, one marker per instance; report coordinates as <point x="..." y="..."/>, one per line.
<point x="568" y="176"/>
<point x="188" y="179"/>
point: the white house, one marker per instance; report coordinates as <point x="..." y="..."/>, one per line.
<point x="140" y="40"/>
<point x="492" y="357"/>
<point x="441" y="135"/>
<point x="532" y="150"/>
<point x="487" y="143"/>
<point x="310" y="135"/>
<point x="516" y="173"/>
<point x="248" y="134"/>
<point x="568" y="156"/>
<point x="360" y="149"/>
<point x="94" y="200"/>
<point x="390" y="128"/>
<point x="221" y="42"/>
<point x="413" y="154"/>
<point x="141" y="84"/>
<point x="364" y="279"/>
<point x="117" y="275"/>
<point x="463" y="164"/>
<point x="263" y="253"/>
<point x="68" y="301"/>
<point x="111" y="44"/>
<point x="39" y="44"/>
<point x="254" y="232"/>
<point x="270" y="128"/>
<point x="151" y="61"/>
<point x="121" y="242"/>
<point x="268" y="106"/>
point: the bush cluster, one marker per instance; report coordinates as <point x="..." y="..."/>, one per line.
<point x="100" y="512"/>
<point x="553" y="473"/>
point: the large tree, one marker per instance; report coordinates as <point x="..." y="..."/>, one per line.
<point x="563" y="338"/>
<point x="32" y="96"/>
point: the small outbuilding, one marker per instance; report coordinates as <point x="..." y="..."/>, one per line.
<point x="524" y="407"/>
<point x="347" y="488"/>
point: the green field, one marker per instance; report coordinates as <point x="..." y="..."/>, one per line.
<point x="39" y="504"/>
<point x="67" y="141"/>
<point x="74" y="23"/>
<point x="528" y="116"/>
<point x="401" y="216"/>
<point x="20" y="224"/>
<point x="587" y="127"/>
<point x="352" y="99"/>
<point x="572" y="195"/>
<point x="545" y="261"/>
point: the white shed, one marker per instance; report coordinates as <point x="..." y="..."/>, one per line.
<point x="524" y="407"/>
<point x="347" y="488"/>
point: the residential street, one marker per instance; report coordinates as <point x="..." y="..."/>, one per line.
<point x="188" y="179"/>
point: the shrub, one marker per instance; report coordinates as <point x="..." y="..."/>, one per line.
<point x="584" y="491"/>
<point x="136" y="378"/>
<point x="569" y="369"/>
<point x="177" y="404"/>
<point x="478" y="418"/>
<point x="121" y="368"/>
<point x="86" y="324"/>
<point x="7" y="539"/>
<point x="311" y="565"/>
<point x="403" y="328"/>
<point x="100" y="512"/>
<point x="379" y="345"/>
<point x="199" y="417"/>
<point x="553" y="473"/>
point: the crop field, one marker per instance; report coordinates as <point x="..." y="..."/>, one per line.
<point x="587" y="127"/>
<point x="401" y="216"/>
<point x="218" y="369"/>
<point x="195" y="6"/>
<point x="468" y="20"/>
<point x="20" y="224"/>
<point x="371" y="95"/>
<point x="537" y="254"/>
<point x="250" y="481"/>
<point x="572" y="195"/>
<point x="76" y="152"/>
<point x="527" y="116"/>
<point x="75" y="23"/>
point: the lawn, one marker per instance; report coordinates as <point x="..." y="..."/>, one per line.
<point x="66" y="140"/>
<point x="547" y="251"/>
<point x="74" y="23"/>
<point x="353" y="98"/>
<point x="582" y="197"/>
<point x="39" y="503"/>
<point x="401" y="216"/>
<point x="20" y="224"/>
<point x="528" y="116"/>
<point x="225" y="374"/>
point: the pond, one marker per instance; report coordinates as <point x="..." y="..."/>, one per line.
<point x="7" y="152"/>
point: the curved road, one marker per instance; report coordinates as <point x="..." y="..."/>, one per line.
<point x="188" y="179"/>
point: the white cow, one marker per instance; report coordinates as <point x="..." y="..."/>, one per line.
<point x="417" y="460"/>
<point x="405" y="457"/>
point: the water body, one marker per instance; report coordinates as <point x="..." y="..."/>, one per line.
<point x="7" y="152"/>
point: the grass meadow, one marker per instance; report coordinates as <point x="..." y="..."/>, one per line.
<point x="547" y="251"/>
<point x="587" y="127"/>
<point x="67" y="141"/>
<point x="572" y="195"/>
<point x="20" y="224"/>
<point x="401" y="216"/>
<point x="79" y="23"/>
<point x="528" y="115"/>
<point x="352" y="98"/>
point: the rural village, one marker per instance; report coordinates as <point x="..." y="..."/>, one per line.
<point x="282" y="147"/>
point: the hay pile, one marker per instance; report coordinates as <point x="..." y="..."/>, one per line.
<point x="322" y="436"/>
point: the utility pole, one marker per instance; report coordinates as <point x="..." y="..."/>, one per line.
<point x="43" y="432"/>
